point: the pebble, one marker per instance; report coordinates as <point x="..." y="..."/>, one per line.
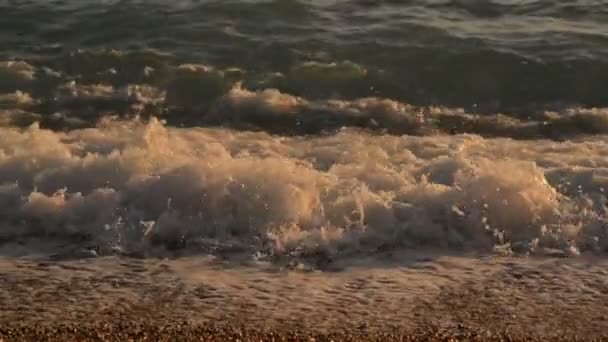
<point x="136" y="331"/>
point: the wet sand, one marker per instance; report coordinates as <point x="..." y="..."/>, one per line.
<point x="408" y="297"/>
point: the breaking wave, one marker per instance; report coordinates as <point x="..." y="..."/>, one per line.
<point x="201" y="95"/>
<point x="132" y="186"/>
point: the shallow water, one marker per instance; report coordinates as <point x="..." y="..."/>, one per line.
<point x="307" y="129"/>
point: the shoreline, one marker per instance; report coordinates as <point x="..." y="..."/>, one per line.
<point x="419" y="297"/>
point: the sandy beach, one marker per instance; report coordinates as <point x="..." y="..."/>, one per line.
<point x="406" y="297"/>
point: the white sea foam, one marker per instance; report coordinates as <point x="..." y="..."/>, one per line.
<point x="143" y="94"/>
<point x="17" y="70"/>
<point x="125" y="183"/>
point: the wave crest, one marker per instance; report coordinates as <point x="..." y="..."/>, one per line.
<point x="128" y="185"/>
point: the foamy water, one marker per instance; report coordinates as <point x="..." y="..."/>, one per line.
<point x="340" y="128"/>
<point x="130" y="186"/>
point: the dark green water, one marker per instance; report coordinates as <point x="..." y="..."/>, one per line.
<point x="519" y="58"/>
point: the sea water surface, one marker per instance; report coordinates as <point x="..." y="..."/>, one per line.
<point x="306" y="128"/>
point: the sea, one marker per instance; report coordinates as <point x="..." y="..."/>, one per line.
<point x="306" y="129"/>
